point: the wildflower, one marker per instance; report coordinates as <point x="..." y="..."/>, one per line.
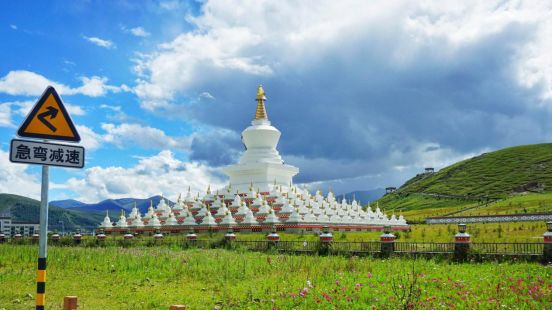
<point x="358" y="284"/>
<point x="337" y="282"/>
<point x="309" y="284"/>
<point x="369" y="275"/>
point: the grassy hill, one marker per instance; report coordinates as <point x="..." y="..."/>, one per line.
<point x="479" y="182"/>
<point x="28" y="210"/>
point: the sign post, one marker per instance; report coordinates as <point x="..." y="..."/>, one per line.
<point x="42" y="242"/>
<point x="48" y="120"/>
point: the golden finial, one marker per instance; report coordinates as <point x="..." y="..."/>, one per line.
<point x="209" y="189"/>
<point x="260" y="113"/>
<point x="106" y="213"/>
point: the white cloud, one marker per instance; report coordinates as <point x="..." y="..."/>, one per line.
<point x="5" y="115"/>
<point x="144" y="136"/>
<point x="179" y="64"/>
<point x="260" y="38"/>
<point x="96" y="86"/>
<point x="28" y="83"/>
<point x="159" y="174"/>
<point x="111" y="107"/>
<point x="206" y="95"/>
<point x="14" y="27"/>
<point x="100" y="42"/>
<point x="15" y="179"/>
<point x="139" y="32"/>
<point x="89" y="139"/>
<point x="170" y="5"/>
<point x="125" y="135"/>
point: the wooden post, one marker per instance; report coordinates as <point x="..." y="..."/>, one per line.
<point x="70" y="303"/>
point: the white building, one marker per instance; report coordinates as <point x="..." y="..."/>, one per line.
<point x="261" y="165"/>
<point x="10" y="228"/>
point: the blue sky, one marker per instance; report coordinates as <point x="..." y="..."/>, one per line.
<point x="366" y="94"/>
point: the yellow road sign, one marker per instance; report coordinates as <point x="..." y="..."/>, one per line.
<point x="49" y="119"/>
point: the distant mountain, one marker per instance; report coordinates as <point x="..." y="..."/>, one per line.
<point x="67" y="203"/>
<point x="27" y="210"/>
<point x="364" y="197"/>
<point x="114" y="206"/>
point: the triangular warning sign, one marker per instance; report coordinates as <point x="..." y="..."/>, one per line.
<point x="49" y="119"/>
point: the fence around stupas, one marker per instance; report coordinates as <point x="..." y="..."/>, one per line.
<point x="461" y="249"/>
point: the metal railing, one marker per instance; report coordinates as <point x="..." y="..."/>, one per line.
<point x="298" y="246"/>
<point x="423" y="247"/>
<point x="356" y="247"/>
<point x="507" y="248"/>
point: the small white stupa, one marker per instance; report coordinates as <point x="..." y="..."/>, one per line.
<point x="171" y="221"/>
<point x="271" y="219"/>
<point x="122" y="223"/>
<point x="228" y="220"/>
<point x="137" y="221"/>
<point x="154" y="222"/>
<point x="249" y="219"/>
<point x="106" y="221"/>
<point x="208" y="220"/>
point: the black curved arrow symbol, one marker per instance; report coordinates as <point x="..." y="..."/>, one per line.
<point x="52" y="113"/>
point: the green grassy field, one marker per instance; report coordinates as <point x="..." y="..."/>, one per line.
<point x="520" y="204"/>
<point x="420" y="207"/>
<point x="155" y="278"/>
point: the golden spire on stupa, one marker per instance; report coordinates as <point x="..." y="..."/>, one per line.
<point x="260" y="113"/>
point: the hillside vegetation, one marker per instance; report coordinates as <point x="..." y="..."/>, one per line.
<point x="478" y="183"/>
<point x="28" y="210"/>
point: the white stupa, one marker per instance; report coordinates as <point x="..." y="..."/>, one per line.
<point x="260" y="164"/>
<point x="106" y="222"/>
<point x="122" y="223"/>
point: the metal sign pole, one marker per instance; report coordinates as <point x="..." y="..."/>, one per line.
<point x="42" y="251"/>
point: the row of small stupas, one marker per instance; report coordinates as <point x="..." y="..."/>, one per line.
<point x="292" y="210"/>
